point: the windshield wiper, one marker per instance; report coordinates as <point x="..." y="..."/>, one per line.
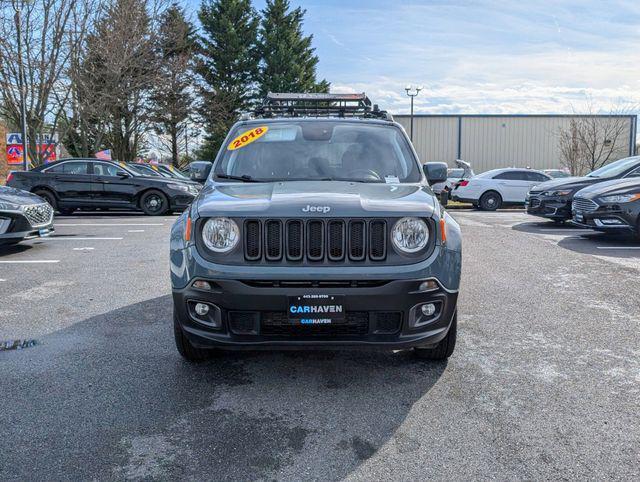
<point x="244" y="177"/>
<point x="349" y="179"/>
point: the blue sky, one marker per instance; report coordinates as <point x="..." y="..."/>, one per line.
<point x="481" y="56"/>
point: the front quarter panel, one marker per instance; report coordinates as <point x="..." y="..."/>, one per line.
<point x="178" y="252"/>
<point x="453" y="233"/>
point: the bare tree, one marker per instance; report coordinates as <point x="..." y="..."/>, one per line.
<point x="571" y="152"/>
<point x="591" y="141"/>
<point x="113" y="78"/>
<point x="35" y="51"/>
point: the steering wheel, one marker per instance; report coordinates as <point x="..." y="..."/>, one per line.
<point x="367" y="174"/>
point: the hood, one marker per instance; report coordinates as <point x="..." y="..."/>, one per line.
<point x="566" y="183"/>
<point x="316" y="199"/>
<point x="18" y="196"/>
<point x="169" y="180"/>
<point x="616" y="186"/>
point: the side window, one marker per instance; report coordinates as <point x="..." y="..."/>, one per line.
<point x="55" y="169"/>
<point x="104" y="169"/>
<point x="635" y="173"/>
<point x="75" y="168"/>
<point x="69" y="168"/>
<point x="536" y="177"/>
<point x="507" y="176"/>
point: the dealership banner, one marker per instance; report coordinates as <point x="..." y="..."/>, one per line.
<point x="46" y="146"/>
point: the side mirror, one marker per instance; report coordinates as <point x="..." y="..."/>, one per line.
<point x="200" y="174"/>
<point x="435" y="171"/>
<point x="122" y="174"/>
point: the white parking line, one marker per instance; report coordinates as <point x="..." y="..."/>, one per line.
<point x="109" y="224"/>
<point x="135" y="231"/>
<point x="71" y="238"/>
<point x="30" y="261"/>
<point x="561" y="230"/>
<point x="618" y="247"/>
<point x="84" y="249"/>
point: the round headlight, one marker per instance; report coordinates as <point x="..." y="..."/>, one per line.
<point x="220" y="235"/>
<point x="410" y="235"/>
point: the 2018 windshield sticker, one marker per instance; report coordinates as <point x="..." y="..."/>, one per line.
<point x="247" y="138"/>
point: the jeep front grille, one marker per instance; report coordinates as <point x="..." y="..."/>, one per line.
<point x="38" y="215"/>
<point x="315" y="240"/>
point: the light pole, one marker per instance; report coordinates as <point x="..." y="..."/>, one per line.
<point x="23" y="92"/>
<point x="411" y="92"/>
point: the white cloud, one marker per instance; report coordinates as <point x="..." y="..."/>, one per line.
<point x="486" y="56"/>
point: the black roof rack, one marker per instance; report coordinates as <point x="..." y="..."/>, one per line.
<point x="319" y="105"/>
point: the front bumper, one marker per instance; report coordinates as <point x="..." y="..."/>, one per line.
<point x="16" y="227"/>
<point x="550" y="207"/>
<point x="253" y="314"/>
<point x="608" y="218"/>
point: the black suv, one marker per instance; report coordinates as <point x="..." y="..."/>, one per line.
<point x="552" y="199"/>
<point x="316" y="226"/>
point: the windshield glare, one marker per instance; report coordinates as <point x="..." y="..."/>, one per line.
<point x="615" y="168"/>
<point x="320" y="150"/>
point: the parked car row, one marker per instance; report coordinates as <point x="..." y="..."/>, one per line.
<point x="71" y="184"/>
<point x="607" y="199"/>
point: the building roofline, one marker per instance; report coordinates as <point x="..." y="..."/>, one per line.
<point x="517" y="115"/>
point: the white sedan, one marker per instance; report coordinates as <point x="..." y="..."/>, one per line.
<point x="498" y="187"/>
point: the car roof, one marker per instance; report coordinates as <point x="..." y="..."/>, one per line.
<point x="68" y="159"/>
<point x="346" y="120"/>
<point x="500" y="170"/>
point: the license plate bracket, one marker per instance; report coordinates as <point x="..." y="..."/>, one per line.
<point x="314" y="309"/>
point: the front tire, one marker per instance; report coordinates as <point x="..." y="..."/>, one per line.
<point x="189" y="352"/>
<point x="490" y="201"/>
<point x="444" y="349"/>
<point x="154" y="203"/>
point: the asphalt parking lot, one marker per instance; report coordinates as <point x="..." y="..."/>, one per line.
<point x="544" y="383"/>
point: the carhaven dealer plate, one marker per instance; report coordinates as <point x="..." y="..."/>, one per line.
<point x="316" y="309"/>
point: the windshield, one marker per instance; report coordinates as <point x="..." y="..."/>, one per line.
<point x="615" y="168"/>
<point x="318" y="150"/>
<point x="140" y="170"/>
<point x="173" y="172"/>
<point x="557" y="174"/>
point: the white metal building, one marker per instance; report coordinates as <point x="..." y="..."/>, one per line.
<point x="492" y="141"/>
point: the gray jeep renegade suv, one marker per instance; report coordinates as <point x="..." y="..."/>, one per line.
<point x="316" y="227"/>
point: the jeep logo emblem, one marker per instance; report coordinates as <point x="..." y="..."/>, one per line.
<point x="316" y="209"/>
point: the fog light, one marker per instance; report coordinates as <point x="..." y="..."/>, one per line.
<point x="202" y="285"/>
<point x="428" y="286"/>
<point x="202" y="309"/>
<point x="428" y="309"/>
<point x="611" y="221"/>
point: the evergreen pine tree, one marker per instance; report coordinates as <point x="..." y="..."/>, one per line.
<point x="172" y="96"/>
<point x="288" y="61"/>
<point x="228" y="66"/>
